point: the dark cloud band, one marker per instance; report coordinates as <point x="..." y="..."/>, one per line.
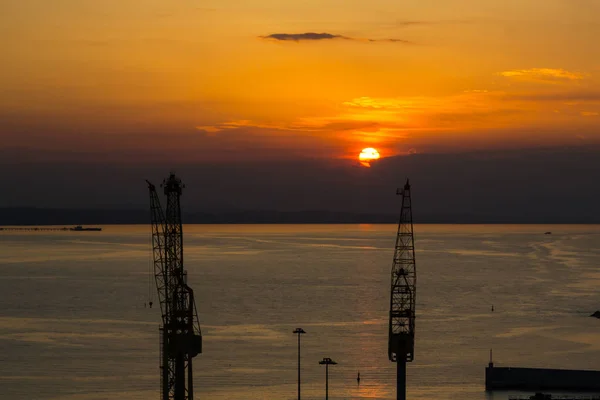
<point x="302" y="36"/>
<point x="313" y="36"/>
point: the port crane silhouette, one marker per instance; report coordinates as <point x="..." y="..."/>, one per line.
<point x="401" y="339"/>
<point x="180" y="335"/>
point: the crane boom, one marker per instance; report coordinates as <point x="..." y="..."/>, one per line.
<point x="401" y="340"/>
<point x="158" y="247"/>
<point x="181" y="338"/>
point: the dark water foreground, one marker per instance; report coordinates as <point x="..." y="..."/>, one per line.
<point x="73" y="324"/>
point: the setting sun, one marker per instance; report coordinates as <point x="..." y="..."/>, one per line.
<point x="367" y="155"/>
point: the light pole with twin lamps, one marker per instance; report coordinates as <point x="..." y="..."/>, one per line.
<point x="327" y="362"/>
<point x="299" y="331"/>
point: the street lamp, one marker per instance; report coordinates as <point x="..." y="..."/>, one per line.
<point x="299" y="331"/>
<point x="327" y="362"/>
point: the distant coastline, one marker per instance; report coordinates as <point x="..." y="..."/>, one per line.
<point x="49" y="216"/>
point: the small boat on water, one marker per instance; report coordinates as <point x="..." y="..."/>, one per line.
<point x="80" y="228"/>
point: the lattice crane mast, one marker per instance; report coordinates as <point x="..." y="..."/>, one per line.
<point x="181" y="338"/>
<point x="401" y="341"/>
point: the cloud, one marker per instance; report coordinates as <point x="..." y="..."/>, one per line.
<point x="412" y="23"/>
<point x="296" y="37"/>
<point x="406" y="23"/>
<point x="383" y="122"/>
<point x="467" y="103"/>
<point x="543" y="74"/>
<point x="467" y="119"/>
<point x="282" y="185"/>
<point x="245" y="123"/>
<point x="312" y="36"/>
<point x="571" y="98"/>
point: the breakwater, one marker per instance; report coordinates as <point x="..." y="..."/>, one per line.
<point x="541" y="379"/>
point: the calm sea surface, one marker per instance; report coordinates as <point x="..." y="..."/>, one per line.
<point x="73" y="323"/>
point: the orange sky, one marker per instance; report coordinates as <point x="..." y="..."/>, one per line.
<point x="216" y="80"/>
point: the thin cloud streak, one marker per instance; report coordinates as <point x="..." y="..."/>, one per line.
<point x="543" y="74"/>
<point x="406" y="23"/>
<point x="313" y="36"/>
<point x="475" y="118"/>
<point x="582" y="96"/>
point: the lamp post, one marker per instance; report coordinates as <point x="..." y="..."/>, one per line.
<point x="299" y="331"/>
<point x="327" y="362"/>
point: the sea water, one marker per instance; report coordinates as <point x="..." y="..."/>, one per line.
<point x="75" y="321"/>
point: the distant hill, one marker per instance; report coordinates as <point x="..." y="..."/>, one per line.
<point x="49" y="216"/>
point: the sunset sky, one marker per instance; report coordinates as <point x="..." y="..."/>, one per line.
<point x="263" y="104"/>
<point x="198" y="81"/>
